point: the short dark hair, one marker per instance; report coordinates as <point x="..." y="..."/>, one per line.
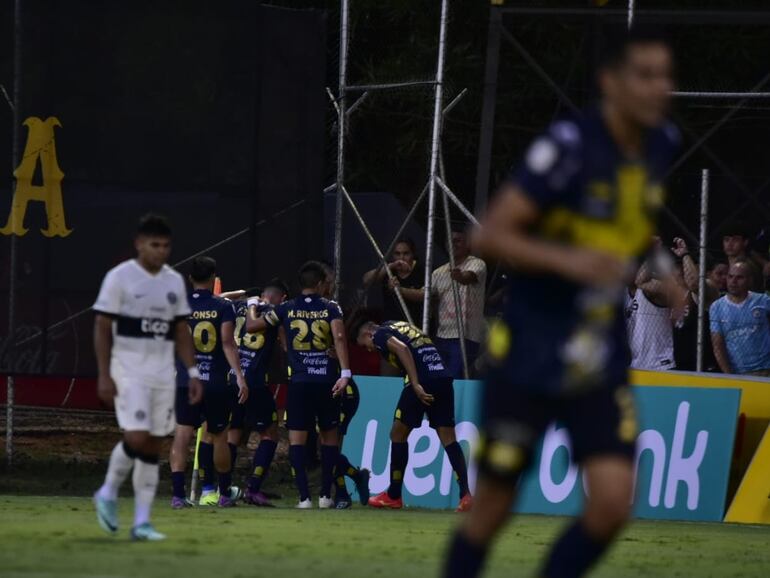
<point x="277" y="283"/>
<point x="358" y="321"/>
<point x="620" y="40"/>
<point x="152" y="225"/>
<point x="311" y="274"/>
<point x="203" y="268"/>
<point x="736" y="228"/>
<point x="409" y="242"/>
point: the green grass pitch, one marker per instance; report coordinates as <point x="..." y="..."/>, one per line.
<point x="42" y="537"/>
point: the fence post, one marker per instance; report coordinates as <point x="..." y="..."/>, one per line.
<point x="704" y="200"/>
<point x="341" y="128"/>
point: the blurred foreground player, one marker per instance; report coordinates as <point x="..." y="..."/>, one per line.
<point x="428" y="389"/>
<point x="141" y="313"/>
<point x="571" y="221"/>
<point x="259" y="413"/>
<point x="212" y="325"/>
<point x="313" y="325"/>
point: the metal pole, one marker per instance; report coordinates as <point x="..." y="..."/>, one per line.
<point x="630" y="14"/>
<point x="11" y="380"/>
<point x="436" y="138"/>
<point x="704" y="211"/>
<point x="459" y="313"/>
<point x="341" y="128"/>
<point x="487" y="129"/>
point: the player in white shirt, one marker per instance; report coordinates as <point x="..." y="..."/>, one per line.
<point x="141" y="315"/>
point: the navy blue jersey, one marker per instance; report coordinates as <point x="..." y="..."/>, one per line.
<point x="209" y="312"/>
<point x="427" y="359"/>
<point x="307" y="322"/>
<point x="554" y="332"/>
<point x="255" y="349"/>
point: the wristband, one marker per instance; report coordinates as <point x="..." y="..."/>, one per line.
<point x="193" y="373"/>
<point x="346" y="373"/>
<point x="253" y="301"/>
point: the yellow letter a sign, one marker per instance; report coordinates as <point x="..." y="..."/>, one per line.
<point x="41" y="146"/>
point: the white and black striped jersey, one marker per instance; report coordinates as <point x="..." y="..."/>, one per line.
<point x="144" y="308"/>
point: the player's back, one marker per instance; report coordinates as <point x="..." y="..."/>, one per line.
<point x="589" y="195"/>
<point x="254" y="349"/>
<point x="144" y="308"/>
<point x="209" y="313"/>
<point x="307" y="322"/>
<point x="427" y="358"/>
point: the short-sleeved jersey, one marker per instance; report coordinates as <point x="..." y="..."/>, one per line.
<point x="145" y="308"/>
<point x="745" y="328"/>
<point x="209" y="313"/>
<point x="255" y="349"/>
<point x="307" y="322"/>
<point x="426" y="357"/>
<point x="588" y="195"/>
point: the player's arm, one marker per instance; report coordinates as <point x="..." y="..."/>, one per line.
<point x="230" y="350"/>
<point x="254" y="322"/>
<point x="105" y="388"/>
<point x="185" y="349"/>
<point x="720" y="352"/>
<point x="401" y="351"/>
<point x="504" y="235"/>
<point x="341" y="350"/>
<point x="233" y="294"/>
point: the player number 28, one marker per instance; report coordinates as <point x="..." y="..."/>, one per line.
<point x="320" y="332"/>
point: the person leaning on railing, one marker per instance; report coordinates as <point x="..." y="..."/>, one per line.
<point x="740" y="328"/>
<point x="406" y="275"/>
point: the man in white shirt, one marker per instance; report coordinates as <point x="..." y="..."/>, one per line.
<point x="141" y="317"/>
<point x="470" y="275"/>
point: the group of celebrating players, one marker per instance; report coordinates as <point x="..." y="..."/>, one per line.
<point x="570" y="222"/>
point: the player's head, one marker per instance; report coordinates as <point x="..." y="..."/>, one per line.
<point x="153" y="241"/>
<point x="636" y="75"/>
<point x="739" y="279"/>
<point x="330" y="285"/>
<point x="735" y="239"/>
<point x="363" y="332"/>
<point x="275" y="292"/>
<point x="405" y="250"/>
<point x="203" y="272"/>
<point x="312" y="277"/>
<point x="460" y="246"/>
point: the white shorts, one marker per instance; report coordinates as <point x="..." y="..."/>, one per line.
<point x="144" y="408"/>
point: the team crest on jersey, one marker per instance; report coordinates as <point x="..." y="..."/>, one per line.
<point x="140" y="415"/>
<point x="171" y="297"/>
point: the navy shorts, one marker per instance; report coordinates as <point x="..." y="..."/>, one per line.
<point x="349" y="401"/>
<point x="257" y="414"/>
<point x="441" y="413"/>
<point x="311" y="403"/>
<point x="600" y="422"/>
<point x="214" y="409"/>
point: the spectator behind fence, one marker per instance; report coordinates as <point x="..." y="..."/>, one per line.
<point x="740" y="330"/>
<point x="736" y="244"/>
<point x="470" y="274"/>
<point x="648" y="316"/>
<point x="403" y="265"/>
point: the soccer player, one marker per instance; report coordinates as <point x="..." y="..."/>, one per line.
<point x="259" y="412"/>
<point x="141" y="314"/>
<point x="350" y="398"/>
<point x="312" y="324"/>
<point x="212" y="325"/>
<point x="571" y="222"/>
<point x="427" y="390"/>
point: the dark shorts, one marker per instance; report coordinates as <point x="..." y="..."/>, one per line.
<point x="349" y="401"/>
<point x="441" y="413"/>
<point x="214" y="409"/>
<point x="311" y="403"/>
<point x="600" y="422"/>
<point x="257" y="414"/>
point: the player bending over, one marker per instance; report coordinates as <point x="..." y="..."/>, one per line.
<point x="259" y="413"/>
<point x="313" y="325"/>
<point x="141" y="313"/>
<point x="350" y="398"/>
<point x="428" y="389"/>
<point x="212" y="324"/>
<point x="571" y="222"/>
